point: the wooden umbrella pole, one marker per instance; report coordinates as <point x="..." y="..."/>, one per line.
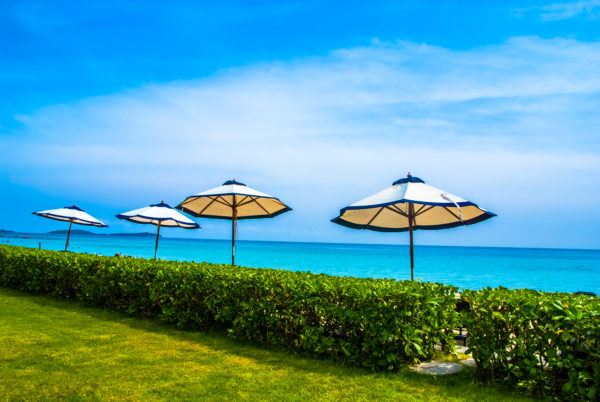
<point x="410" y="231"/>
<point x="233" y="227"/>
<point x="233" y="241"/>
<point x="156" y="245"/>
<point x="69" y="234"/>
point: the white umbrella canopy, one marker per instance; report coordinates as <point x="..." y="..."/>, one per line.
<point x="410" y="204"/>
<point x="160" y="215"/>
<point x="233" y="201"/>
<point x="72" y="215"/>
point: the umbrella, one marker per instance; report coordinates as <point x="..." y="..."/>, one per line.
<point x="160" y="215"/>
<point x="408" y="205"/>
<point x="233" y="201"/>
<point x="72" y="215"/>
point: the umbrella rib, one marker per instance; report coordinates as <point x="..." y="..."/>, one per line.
<point x="223" y="201"/>
<point x="241" y="202"/>
<point x="220" y="200"/>
<point x="397" y="210"/>
<point x="263" y="208"/>
<point x="452" y="213"/>
<point x="207" y="205"/>
<point x="213" y="200"/>
<point x="421" y="211"/>
<point x="374" y="216"/>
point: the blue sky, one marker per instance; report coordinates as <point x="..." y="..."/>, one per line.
<point x="116" y="106"/>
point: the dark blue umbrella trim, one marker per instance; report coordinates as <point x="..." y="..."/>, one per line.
<point x="75" y="208"/>
<point x="480" y="218"/>
<point x="409" y="179"/>
<point x="228" y="182"/>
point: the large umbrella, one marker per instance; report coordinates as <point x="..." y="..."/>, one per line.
<point x="160" y="215"/>
<point x="233" y="201"/>
<point x="408" y="205"/>
<point x="72" y="215"/>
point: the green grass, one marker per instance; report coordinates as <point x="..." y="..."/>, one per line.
<point x="57" y="349"/>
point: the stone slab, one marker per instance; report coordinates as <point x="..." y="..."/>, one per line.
<point x="435" y="367"/>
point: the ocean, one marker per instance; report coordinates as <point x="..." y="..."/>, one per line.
<point x="553" y="270"/>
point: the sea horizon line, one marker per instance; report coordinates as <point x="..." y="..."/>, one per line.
<point x="132" y="234"/>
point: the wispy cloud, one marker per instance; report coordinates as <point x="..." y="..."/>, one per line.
<point x="589" y="9"/>
<point x="503" y="125"/>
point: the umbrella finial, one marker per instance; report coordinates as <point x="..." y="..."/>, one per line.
<point x="408" y="175"/>
<point x="234" y="181"/>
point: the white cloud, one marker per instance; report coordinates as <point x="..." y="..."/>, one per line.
<point x="560" y="11"/>
<point x="499" y="124"/>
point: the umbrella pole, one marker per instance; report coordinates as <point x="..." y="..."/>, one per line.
<point x="233" y="242"/>
<point x="69" y="234"/>
<point x="233" y="227"/>
<point x="156" y="245"/>
<point x="412" y="256"/>
<point x="410" y="232"/>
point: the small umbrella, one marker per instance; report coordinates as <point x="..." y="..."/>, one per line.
<point x="408" y="205"/>
<point x="233" y="201"/>
<point x="160" y="215"/>
<point x="73" y="215"/>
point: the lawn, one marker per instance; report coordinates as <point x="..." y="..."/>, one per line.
<point x="57" y="349"/>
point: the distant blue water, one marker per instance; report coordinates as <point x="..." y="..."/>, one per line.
<point x="465" y="267"/>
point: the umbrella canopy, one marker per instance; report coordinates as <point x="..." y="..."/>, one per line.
<point x="160" y="215"/>
<point x="410" y="204"/>
<point x="233" y="201"/>
<point x="72" y="215"/>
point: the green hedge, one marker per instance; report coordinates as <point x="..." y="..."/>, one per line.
<point x="548" y="343"/>
<point x="381" y="324"/>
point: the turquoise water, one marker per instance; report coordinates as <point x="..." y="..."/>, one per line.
<point x="465" y="267"/>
